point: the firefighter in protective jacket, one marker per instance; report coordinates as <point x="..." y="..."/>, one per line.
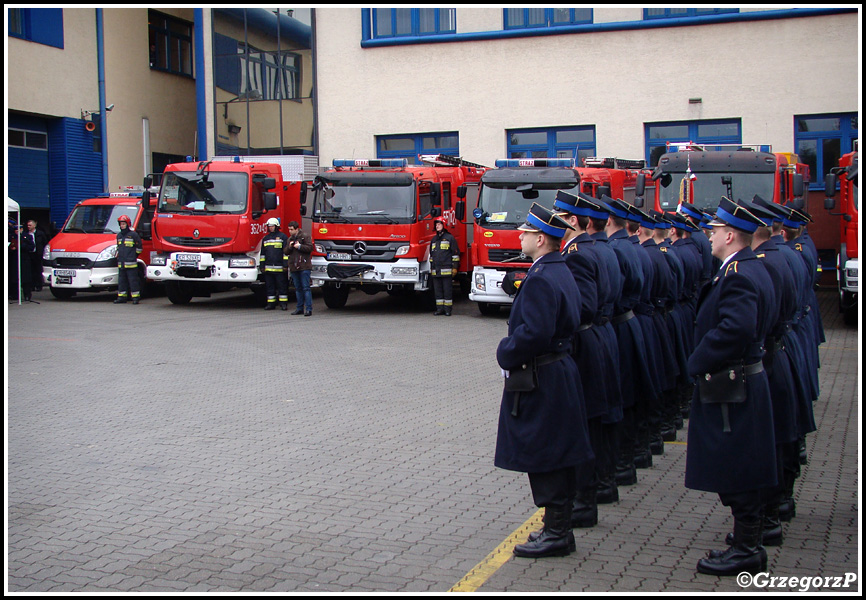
<point x="444" y="264"/>
<point x="273" y="262"/>
<point x="128" y="248"/>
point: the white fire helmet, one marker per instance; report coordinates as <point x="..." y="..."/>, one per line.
<point x="273" y="221"/>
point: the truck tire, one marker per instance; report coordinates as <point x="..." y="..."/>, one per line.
<point x="335" y="297"/>
<point x="62" y="293"/>
<point x="178" y="293"/>
<point x="488" y="309"/>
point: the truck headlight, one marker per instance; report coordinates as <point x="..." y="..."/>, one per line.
<point x="403" y="250"/>
<point x="46" y="254"/>
<point x="244" y="262"/>
<point x="319" y="248"/>
<point x="107" y="254"/>
<point x="479" y="282"/>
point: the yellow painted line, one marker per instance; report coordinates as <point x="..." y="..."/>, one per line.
<point x="481" y="572"/>
<point x="681" y="443"/>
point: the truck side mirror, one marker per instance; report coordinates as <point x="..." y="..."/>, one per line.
<point x="436" y="194"/>
<point x="144" y="230"/>
<point x="303" y="210"/>
<point x="148" y="181"/>
<point x="830" y="181"/>
<point x="461" y="191"/>
<point x="270" y="199"/>
<point x="638" y="201"/>
<point x="269" y="183"/>
<point x="603" y="190"/>
<point x="797" y="187"/>
<point x="435" y="212"/>
<point x="460" y="209"/>
<point x="640" y="186"/>
<point x="303" y="193"/>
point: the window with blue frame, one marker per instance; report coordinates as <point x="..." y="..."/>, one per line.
<point x="40" y="25"/>
<point x="704" y="133"/>
<point x="410" y="145"/>
<point x="525" y="18"/>
<point x="396" y="22"/>
<point x="683" y="13"/>
<point x="820" y="140"/>
<point x="552" y="142"/>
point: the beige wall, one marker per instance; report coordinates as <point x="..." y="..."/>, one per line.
<point x="616" y="81"/>
<point x="56" y="81"/>
<point x="167" y="101"/>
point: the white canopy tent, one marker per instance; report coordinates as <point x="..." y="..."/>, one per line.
<point x="12" y="206"/>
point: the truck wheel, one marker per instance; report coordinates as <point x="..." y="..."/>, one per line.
<point x="177" y="293"/>
<point x="487" y="309"/>
<point x="62" y="293"/>
<point x="335" y="297"/>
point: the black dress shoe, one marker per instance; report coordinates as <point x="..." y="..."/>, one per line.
<point x="270" y="307"/>
<point x="309" y="313"/>
<point x="119" y="301"/>
<point x="298" y="311"/>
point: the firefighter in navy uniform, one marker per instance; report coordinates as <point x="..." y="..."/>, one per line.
<point x="273" y="262"/>
<point x="731" y="443"/>
<point x="444" y="264"/>
<point x="128" y="248"/>
<point x="542" y="422"/>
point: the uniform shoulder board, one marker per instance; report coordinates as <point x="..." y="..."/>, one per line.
<point x="663" y="249"/>
<point x="798" y="247"/>
<point x="573" y="248"/>
<point x="761" y="255"/>
<point x="733" y="266"/>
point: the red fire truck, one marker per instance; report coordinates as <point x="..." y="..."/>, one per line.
<point x="849" y="203"/>
<point x="701" y="176"/>
<point x="506" y="195"/>
<point x="82" y="257"/>
<point x="373" y="222"/>
<point x="210" y="220"/>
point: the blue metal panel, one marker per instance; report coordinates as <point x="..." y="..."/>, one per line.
<point x="75" y="169"/>
<point x="28" y="177"/>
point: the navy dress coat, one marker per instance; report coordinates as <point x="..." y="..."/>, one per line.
<point x="735" y="313"/>
<point x="589" y="345"/>
<point x="612" y="371"/>
<point x="549" y="431"/>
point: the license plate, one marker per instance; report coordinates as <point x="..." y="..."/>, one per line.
<point x="339" y="256"/>
<point x="63" y="279"/>
<point x="189" y="258"/>
<point x="64" y="273"/>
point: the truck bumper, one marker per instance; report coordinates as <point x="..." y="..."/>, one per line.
<point x="486" y="286"/>
<point x="80" y="279"/>
<point x="402" y="272"/>
<point x="203" y="267"/>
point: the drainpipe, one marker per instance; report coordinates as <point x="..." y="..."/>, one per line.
<point x="103" y="121"/>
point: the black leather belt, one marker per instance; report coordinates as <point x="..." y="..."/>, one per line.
<point x="753" y="369"/>
<point x="623" y="317"/>
<point x="546" y="359"/>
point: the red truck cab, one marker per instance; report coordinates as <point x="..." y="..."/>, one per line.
<point x="373" y="222"/>
<point x="847" y="261"/>
<point x="209" y="223"/>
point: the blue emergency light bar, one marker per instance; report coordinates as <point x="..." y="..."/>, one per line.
<point x="535" y="162"/>
<point x="362" y="162"/>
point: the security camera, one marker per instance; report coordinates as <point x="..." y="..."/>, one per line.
<point x="109" y="107"/>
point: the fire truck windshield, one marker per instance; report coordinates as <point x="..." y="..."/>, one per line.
<point x="505" y="206"/>
<point x="215" y="192"/>
<point x="343" y="202"/>
<point x="98" y="218"/>
<point x="709" y="188"/>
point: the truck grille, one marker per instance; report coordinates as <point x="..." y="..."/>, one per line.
<point x="197" y="243"/>
<point x="375" y="250"/>
<point x="504" y="254"/>
<point x="73" y="262"/>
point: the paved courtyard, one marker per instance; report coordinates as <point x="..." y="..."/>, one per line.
<point x="217" y="447"/>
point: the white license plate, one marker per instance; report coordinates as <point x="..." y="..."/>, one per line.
<point x="339" y="256"/>
<point x="189" y="258"/>
<point x="64" y="273"/>
<point x="63" y="279"/>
